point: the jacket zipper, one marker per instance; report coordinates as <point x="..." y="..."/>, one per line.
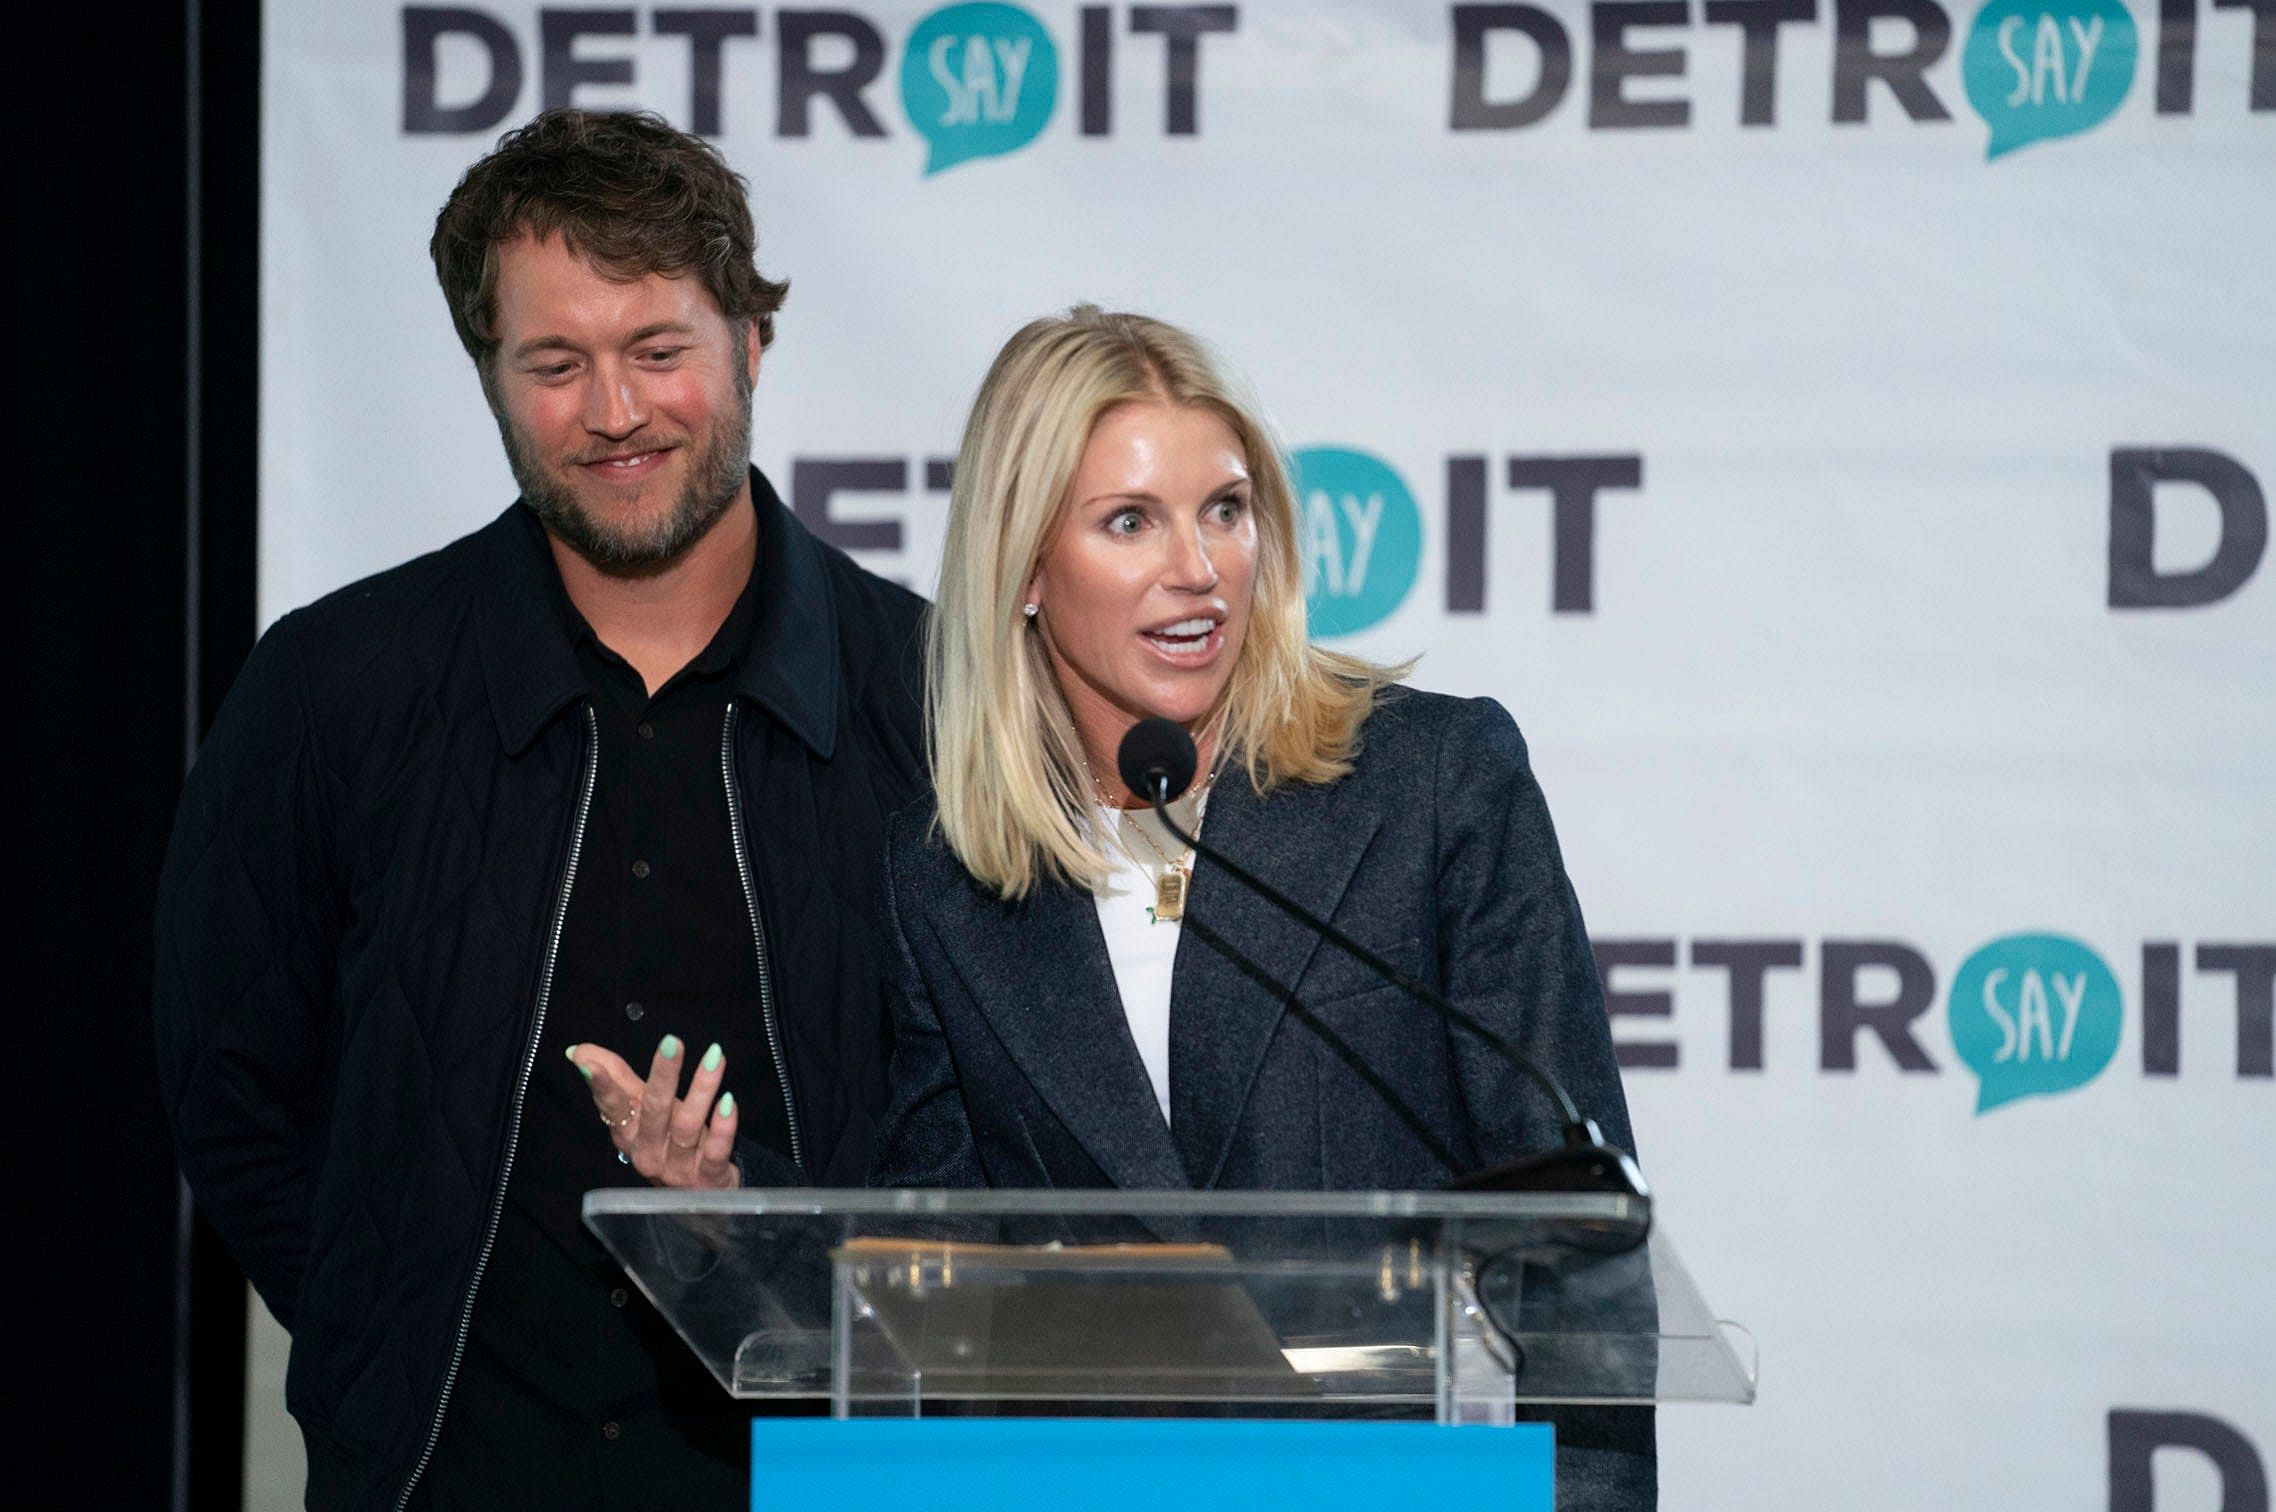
<point x="521" y="1091"/>
<point x="758" y="936"/>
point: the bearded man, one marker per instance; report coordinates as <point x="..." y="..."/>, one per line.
<point x="576" y="815"/>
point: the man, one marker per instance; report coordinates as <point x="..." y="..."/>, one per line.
<point x="599" y="787"/>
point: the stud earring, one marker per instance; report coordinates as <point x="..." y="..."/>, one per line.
<point x="1031" y="610"/>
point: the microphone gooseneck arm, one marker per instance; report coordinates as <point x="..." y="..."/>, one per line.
<point x="1579" y="1131"/>
<point x="1157" y="761"/>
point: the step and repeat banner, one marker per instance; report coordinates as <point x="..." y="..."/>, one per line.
<point x="1843" y="432"/>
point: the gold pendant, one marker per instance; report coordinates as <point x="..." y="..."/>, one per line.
<point x="1169" y="894"/>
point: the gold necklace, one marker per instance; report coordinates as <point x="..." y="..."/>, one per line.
<point x="1175" y="881"/>
<point x="1176" y="877"/>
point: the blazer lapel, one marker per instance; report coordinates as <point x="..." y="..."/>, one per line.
<point x="1240" y="958"/>
<point x="1047" y="988"/>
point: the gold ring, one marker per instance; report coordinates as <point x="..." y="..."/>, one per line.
<point x="621" y="1123"/>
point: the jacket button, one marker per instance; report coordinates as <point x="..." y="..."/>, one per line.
<point x="633" y="1011"/>
<point x="610" y="1431"/>
<point x="618" y="1297"/>
<point x="640" y="868"/>
<point x="646" y="731"/>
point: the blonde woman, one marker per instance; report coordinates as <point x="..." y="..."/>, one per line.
<point x="1074" y="1003"/>
<point x="1077" y="1004"/>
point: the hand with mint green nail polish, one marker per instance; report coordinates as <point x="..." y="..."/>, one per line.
<point x="673" y="1140"/>
<point x="682" y="1141"/>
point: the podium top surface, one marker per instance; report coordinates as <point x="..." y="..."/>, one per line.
<point x="1356" y="1300"/>
<point x="981" y="1202"/>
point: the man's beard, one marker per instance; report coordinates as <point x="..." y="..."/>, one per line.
<point x="714" y="477"/>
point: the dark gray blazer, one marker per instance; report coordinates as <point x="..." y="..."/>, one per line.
<point x="1013" y="1065"/>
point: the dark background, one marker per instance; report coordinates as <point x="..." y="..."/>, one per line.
<point x="135" y="217"/>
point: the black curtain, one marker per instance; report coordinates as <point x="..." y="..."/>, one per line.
<point x="134" y="389"/>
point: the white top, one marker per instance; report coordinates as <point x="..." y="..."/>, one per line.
<point x="1142" y="950"/>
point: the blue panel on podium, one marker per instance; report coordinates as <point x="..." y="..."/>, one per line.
<point x="1121" y="1465"/>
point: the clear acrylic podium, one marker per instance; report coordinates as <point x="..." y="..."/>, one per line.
<point x="1463" y="1307"/>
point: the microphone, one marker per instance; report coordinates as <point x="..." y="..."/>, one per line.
<point x="1157" y="761"/>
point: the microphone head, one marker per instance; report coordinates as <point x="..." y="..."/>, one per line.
<point x="1157" y="754"/>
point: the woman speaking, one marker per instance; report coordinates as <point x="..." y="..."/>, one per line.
<point x="1075" y="1003"/>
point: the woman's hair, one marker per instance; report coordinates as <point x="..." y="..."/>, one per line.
<point x="1007" y="766"/>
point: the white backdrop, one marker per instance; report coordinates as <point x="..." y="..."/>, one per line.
<point x="1848" y="668"/>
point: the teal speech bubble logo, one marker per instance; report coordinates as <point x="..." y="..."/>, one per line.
<point x="1362" y="538"/>
<point x="2034" y="1014"/>
<point x="978" y="81"/>
<point x="2036" y="69"/>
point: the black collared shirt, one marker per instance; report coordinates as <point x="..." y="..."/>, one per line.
<point x="574" y="1392"/>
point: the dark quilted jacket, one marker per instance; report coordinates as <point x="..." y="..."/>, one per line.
<point x="353" y="919"/>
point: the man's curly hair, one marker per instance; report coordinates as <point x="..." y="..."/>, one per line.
<point x="626" y="191"/>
